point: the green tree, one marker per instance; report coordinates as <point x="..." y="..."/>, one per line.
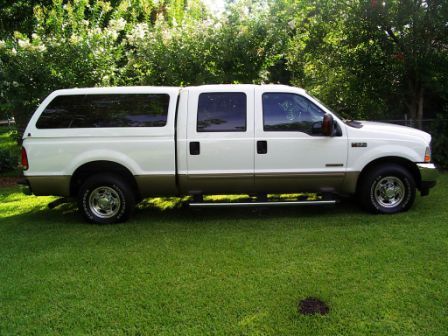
<point x="326" y="56"/>
<point x="414" y="32"/>
<point x="18" y="15"/>
<point x="370" y="58"/>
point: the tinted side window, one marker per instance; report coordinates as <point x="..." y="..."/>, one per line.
<point x="222" y="112"/>
<point x="289" y="112"/>
<point x="105" y="110"/>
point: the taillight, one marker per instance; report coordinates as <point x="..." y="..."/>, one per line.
<point x="428" y="154"/>
<point x="24" y="159"/>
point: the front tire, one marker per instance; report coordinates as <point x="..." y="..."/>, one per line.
<point x="106" y="199"/>
<point x="388" y="188"/>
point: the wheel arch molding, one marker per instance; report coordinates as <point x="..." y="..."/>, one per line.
<point x="101" y="166"/>
<point x="405" y="163"/>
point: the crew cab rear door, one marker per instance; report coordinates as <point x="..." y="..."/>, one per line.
<point x="220" y="139"/>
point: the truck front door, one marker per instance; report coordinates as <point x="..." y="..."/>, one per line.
<point x="290" y="155"/>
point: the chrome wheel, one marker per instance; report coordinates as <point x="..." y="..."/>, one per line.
<point x="104" y="202"/>
<point x="389" y="191"/>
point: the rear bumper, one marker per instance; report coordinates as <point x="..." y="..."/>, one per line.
<point x="429" y="175"/>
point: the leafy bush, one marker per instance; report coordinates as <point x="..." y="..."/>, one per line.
<point x="440" y="141"/>
<point x="8" y="160"/>
<point x="66" y="50"/>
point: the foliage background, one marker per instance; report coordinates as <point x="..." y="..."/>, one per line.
<point x="365" y="59"/>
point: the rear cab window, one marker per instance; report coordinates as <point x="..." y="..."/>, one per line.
<point x="222" y="112"/>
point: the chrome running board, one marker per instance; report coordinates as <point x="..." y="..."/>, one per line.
<point x="251" y="204"/>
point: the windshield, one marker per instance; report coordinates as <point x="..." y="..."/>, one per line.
<point x="348" y="122"/>
<point x="337" y="115"/>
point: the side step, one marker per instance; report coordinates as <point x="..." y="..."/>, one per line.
<point x="254" y="204"/>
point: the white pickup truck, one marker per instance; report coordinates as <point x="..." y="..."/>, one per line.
<point x="112" y="147"/>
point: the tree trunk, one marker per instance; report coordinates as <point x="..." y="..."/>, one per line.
<point x="412" y="109"/>
<point x="420" y="108"/>
<point x="415" y="103"/>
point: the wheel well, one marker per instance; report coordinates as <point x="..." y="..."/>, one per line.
<point x="409" y="165"/>
<point x="95" y="167"/>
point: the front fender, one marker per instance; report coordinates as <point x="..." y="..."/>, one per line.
<point x="359" y="158"/>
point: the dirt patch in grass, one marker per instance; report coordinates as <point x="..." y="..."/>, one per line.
<point x="8" y="181"/>
<point x="312" y="306"/>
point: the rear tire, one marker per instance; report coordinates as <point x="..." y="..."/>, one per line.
<point x="106" y="199"/>
<point x="388" y="189"/>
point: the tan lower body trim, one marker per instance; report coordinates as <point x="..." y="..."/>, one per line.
<point x="350" y="182"/>
<point x="149" y="185"/>
<point x="219" y="176"/>
<point x="268" y="182"/>
<point x="50" y="185"/>
<point x="299" y="182"/>
<point x="216" y="183"/>
<point x="300" y="175"/>
<point x="156" y="185"/>
<point x="165" y="185"/>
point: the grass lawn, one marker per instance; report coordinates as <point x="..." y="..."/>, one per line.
<point x="224" y="272"/>
<point x="7" y="143"/>
<point x="6" y="140"/>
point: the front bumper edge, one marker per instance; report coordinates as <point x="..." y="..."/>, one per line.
<point x="429" y="175"/>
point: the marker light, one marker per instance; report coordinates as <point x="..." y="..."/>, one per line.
<point x="24" y="159"/>
<point x="428" y="154"/>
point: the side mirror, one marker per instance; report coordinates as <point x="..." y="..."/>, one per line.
<point x="316" y="128"/>
<point x="328" y="125"/>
